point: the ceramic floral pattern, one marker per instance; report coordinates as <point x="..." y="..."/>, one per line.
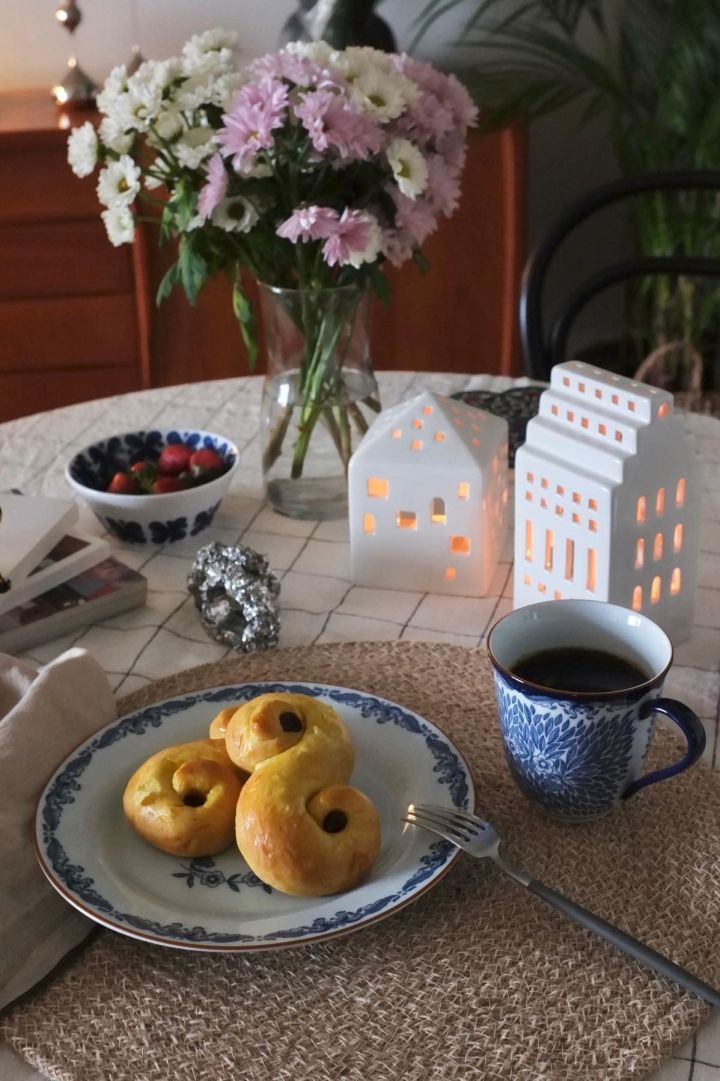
<point x="572" y="759"/>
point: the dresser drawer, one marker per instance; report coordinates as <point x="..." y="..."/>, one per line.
<point x="37" y="184"/>
<point x="77" y="332"/>
<point x="61" y="259"/>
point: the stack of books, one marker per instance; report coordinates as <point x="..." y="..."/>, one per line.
<point x="54" y="579"/>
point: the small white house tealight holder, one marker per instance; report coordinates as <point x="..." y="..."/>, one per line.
<point x="428" y="498"/>
<point x="607" y="499"/>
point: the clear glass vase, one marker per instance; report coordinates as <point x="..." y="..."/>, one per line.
<point x="319" y="396"/>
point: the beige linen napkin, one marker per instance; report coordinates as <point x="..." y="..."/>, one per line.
<point x="43" y="715"/>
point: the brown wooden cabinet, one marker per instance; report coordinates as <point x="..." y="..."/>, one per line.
<point x="73" y="309"/>
<point x="78" y="318"/>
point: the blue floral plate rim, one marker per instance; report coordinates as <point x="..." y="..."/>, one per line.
<point x="93" y="858"/>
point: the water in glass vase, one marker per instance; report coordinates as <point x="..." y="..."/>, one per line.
<point x="307" y="447"/>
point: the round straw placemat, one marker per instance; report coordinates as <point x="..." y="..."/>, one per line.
<point x="477" y="979"/>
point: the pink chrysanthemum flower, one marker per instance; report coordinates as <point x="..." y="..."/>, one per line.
<point x="355" y="239"/>
<point x="308" y="223"/>
<point x="257" y="111"/>
<point x="443" y="189"/>
<point x="213" y="193"/>
<point x="288" y="65"/>
<point x="331" y="121"/>
<point x="446" y="88"/>
<point x="415" y="217"/>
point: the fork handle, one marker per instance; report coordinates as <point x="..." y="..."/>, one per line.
<point x="625" y="942"/>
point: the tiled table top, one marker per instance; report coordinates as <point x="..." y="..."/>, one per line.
<point x="318" y="601"/>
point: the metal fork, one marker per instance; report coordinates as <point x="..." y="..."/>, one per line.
<point x="479" y="839"/>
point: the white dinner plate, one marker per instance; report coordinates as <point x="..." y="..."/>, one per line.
<point x="100" y="865"/>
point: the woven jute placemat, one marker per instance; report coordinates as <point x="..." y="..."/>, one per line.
<point x="477" y="979"/>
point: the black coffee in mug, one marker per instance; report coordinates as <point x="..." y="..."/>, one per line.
<point x="586" y="671"/>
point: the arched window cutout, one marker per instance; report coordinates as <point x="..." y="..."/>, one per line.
<point x="368" y="523"/>
<point x="637" y="599"/>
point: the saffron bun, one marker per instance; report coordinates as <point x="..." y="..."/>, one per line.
<point x="301" y="828"/>
<point x="183" y="799"/>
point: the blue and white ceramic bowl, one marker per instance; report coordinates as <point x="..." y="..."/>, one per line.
<point x="150" y="519"/>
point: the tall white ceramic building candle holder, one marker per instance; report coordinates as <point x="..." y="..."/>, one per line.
<point x="607" y="499"/>
<point x="428" y="498"/>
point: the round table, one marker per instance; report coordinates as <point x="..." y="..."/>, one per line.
<point x="318" y="601"/>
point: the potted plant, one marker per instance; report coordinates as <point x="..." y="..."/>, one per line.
<point x="652" y="69"/>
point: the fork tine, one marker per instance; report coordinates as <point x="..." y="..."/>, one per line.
<point x="455" y="830"/>
<point x="432" y="829"/>
<point x="453" y="815"/>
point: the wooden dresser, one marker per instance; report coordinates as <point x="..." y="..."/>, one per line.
<point x="78" y="317"/>
<point x="73" y="309"/>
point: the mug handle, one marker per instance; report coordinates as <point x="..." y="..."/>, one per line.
<point x="691" y="727"/>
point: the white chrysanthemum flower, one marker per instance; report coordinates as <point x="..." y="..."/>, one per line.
<point x="143" y="101"/>
<point x="213" y="50"/>
<point x="119" y="225"/>
<point x="224" y="88"/>
<point x="119" y="182"/>
<point x="196" y="91"/>
<point x="195" y="146"/>
<point x="82" y="150"/>
<point x="153" y="182"/>
<point x="235" y="215"/>
<point x="167" y="126"/>
<point x="115" y="86"/>
<point x="382" y="94"/>
<point x="319" y="52"/>
<point x="409" y="167"/>
<point x="114" y="136"/>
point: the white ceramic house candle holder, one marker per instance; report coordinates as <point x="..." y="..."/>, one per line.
<point x="428" y="498"/>
<point x="607" y="494"/>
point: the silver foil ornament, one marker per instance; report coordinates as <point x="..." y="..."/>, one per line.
<point x="236" y="592"/>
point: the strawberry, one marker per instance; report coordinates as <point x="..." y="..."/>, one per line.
<point x="167" y="484"/>
<point x="174" y="459"/>
<point x="205" y="461"/>
<point x="122" y="484"/>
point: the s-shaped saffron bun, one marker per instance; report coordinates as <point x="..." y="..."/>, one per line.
<point x="301" y="828"/>
<point x="183" y="798"/>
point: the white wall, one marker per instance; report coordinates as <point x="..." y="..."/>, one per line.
<point x="34" y="48"/>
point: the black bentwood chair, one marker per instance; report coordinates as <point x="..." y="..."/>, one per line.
<point x="544" y="341"/>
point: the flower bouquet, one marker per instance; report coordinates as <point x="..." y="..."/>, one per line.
<point x="309" y="169"/>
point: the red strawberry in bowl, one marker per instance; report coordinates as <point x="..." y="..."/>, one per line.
<point x="174" y="459"/>
<point x="167" y="484"/>
<point x="122" y="484"/>
<point x="205" y="461"/>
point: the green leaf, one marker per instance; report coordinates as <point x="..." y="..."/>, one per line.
<point x="166" y="286"/>
<point x="248" y="325"/>
<point x="379" y="283"/>
<point x="192" y="268"/>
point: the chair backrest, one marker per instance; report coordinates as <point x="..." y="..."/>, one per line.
<point x="544" y="342"/>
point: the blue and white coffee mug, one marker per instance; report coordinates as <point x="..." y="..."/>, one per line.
<point x="579" y="754"/>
